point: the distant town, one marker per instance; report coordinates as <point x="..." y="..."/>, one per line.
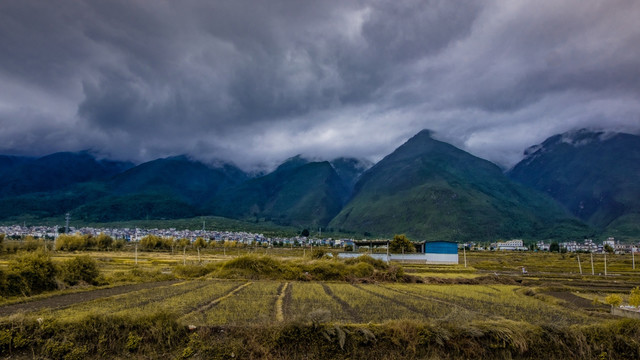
<point x="248" y="238"/>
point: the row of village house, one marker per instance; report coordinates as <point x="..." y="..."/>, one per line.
<point x="587" y="245"/>
<point x="135" y="234"/>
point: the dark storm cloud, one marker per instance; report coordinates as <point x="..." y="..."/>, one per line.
<point x="255" y="82"/>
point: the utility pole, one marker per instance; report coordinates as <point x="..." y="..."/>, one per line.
<point x="136" y="254"/>
<point x="633" y="258"/>
<point x="579" y="265"/>
<point x="184" y="255"/>
<point x="605" y="264"/>
<point x="203" y="225"/>
<point x="592" y="270"/>
<point x="464" y="253"/>
<point x="67" y="216"/>
<point x="388" y="260"/>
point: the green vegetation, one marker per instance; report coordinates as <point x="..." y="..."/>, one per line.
<point x="613" y="300"/>
<point x="363" y="268"/>
<point x="431" y="190"/>
<point x="591" y="180"/>
<point x="80" y="269"/>
<point x="285" y="305"/>
<point x="634" y="298"/>
<point x="297" y="193"/>
<point x="31" y="273"/>
<point x="401" y="244"/>
<point x="161" y="334"/>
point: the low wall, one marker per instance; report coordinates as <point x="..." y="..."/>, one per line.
<point x="415" y="258"/>
<point x="626" y="313"/>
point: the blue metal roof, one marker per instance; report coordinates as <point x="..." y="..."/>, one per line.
<point x="441" y="247"/>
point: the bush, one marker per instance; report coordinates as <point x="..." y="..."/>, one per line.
<point x="614" y="300"/>
<point x="36" y="270"/>
<point x="634" y="297"/>
<point x="153" y="242"/>
<point x="193" y="271"/>
<point x="104" y="241"/>
<point x="31" y="244"/>
<point x="376" y="263"/>
<point x="80" y="268"/>
<point x="363" y="270"/>
<point x="67" y="242"/>
<point x="318" y="253"/>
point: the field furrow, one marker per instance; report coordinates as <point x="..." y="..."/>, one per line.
<point x="371" y="308"/>
<point x="253" y="304"/>
<point x="132" y="300"/>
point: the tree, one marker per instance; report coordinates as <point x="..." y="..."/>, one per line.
<point x="104" y="241"/>
<point x="554" y="247"/>
<point x="200" y="243"/>
<point x="614" y="300"/>
<point x="305" y="233"/>
<point x="80" y="268"/>
<point x="400" y="244"/>
<point x="183" y="242"/>
<point x="36" y="269"/>
<point x="608" y="248"/>
<point x="634" y="298"/>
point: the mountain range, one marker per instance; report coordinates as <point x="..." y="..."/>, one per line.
<point x="577" y="184"/>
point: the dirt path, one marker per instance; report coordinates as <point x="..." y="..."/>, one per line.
<point x="576" y="301"/>
<point x="60" y="301"/>
<point x="202" y="309"/>
<point x="279" y="302"/>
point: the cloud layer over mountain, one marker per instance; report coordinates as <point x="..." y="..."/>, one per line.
<point x="255" y="82"/>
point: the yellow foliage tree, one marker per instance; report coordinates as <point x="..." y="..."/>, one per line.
<point x="634" y="298"/>
<point x="614" y="300"/>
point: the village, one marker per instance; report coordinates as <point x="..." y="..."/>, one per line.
<point x="257" y="239"/>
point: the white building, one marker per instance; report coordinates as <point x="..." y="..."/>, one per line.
<point x="516" y="244"/>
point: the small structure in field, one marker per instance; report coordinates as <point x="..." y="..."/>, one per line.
<point x="429" y="252"/>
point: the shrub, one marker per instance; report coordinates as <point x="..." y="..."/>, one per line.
<point x="376" y="263"/>
<point x="36" y="270"/>
<point x="613" y="300"/>
<point x="255" y="266"/>
<point x="104" y="241"/>
<point x="318" y="253"/>
<point x="362" y="270"/>
<point x="67" y="242"/>
<point x="31" y="244"/>
<point x="80" y="268"/>
<point x="119" y="244"/>
<point x="634" y="298"/>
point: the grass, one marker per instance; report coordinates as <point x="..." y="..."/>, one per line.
<point x="333" y="319"/>
<point x="161" y="335"/>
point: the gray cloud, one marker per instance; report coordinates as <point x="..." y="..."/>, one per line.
<point x="257" y="82"/>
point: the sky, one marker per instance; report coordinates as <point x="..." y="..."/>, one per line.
<point x="256" y="82"/>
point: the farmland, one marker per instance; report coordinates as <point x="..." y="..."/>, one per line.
<point x="486" y="309"/>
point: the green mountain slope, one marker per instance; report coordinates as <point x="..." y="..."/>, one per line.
<point x="297" y="193"/>
<point x="432" y="190"/>
<point x="179" y="177"/>
<point x="593" y="174"/>
<point x="57" y="171"/>
<point x="350" y="170"/>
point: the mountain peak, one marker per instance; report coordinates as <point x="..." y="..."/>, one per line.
<point x="292" y="162"/>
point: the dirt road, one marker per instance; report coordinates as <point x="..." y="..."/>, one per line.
<point x="60" y="301"/>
